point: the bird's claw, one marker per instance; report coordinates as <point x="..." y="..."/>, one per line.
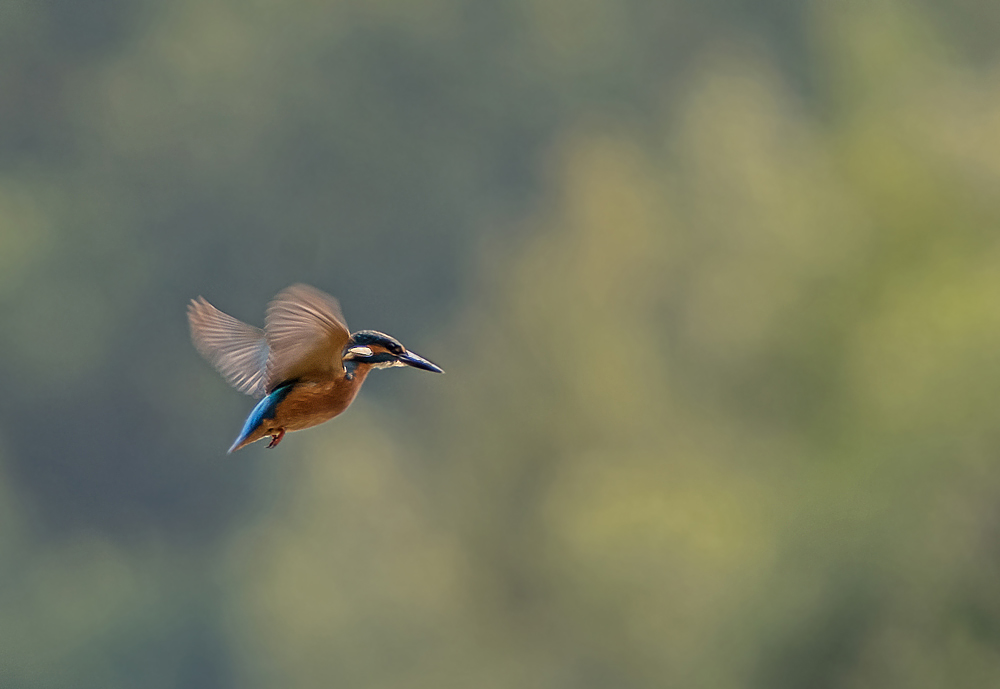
<point x="276" y="438"/>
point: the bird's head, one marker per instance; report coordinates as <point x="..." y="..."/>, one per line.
<point x="379" y="350"/>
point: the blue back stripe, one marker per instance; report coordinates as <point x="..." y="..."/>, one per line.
<point x="263" y="411"/>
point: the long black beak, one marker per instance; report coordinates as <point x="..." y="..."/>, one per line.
<point x="416" y="361"/>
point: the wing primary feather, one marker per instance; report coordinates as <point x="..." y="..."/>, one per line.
<point x="237" y="350"/>
<point x="306" y="335"/>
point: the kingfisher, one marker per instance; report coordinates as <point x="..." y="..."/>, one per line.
<point x="305" y="366"/>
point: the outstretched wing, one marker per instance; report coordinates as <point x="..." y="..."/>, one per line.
<point x="306" y="335"/>
<point x="239" y="351"/>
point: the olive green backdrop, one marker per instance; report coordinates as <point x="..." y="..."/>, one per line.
<point x="716" y="285"/>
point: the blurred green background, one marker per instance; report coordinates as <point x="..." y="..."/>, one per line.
<point x="715" y="284"/>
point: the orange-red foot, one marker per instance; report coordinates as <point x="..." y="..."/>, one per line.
<point x="275" y="439"/>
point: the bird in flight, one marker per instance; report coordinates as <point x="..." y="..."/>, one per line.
<point x="305" y="364"/>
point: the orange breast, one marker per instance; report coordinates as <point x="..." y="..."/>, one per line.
<point x="312" y="402"/>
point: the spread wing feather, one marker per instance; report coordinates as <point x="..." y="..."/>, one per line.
<point x="306" y="335"/>
<point x="239" y="351"/>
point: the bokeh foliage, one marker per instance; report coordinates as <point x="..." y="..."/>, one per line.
<point x="714" y="287"/>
